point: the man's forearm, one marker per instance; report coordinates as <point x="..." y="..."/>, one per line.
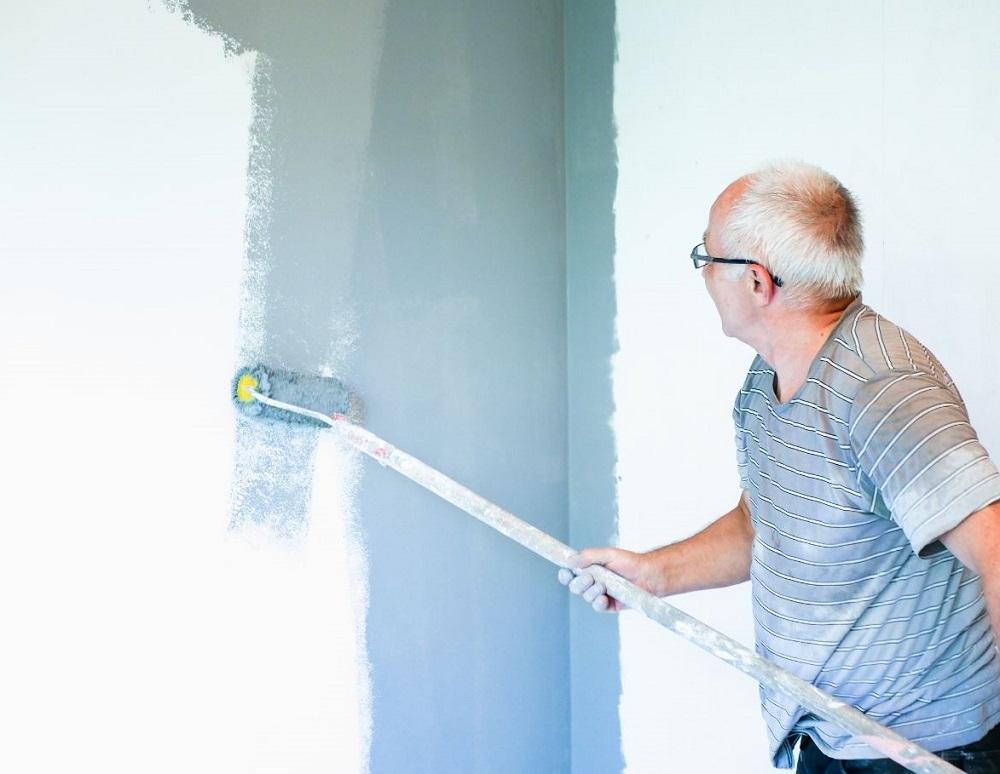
<point x="976" y="543"/>
<point x="717" y="556"/>
<point x="993" y="607"/>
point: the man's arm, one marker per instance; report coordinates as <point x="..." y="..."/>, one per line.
<point x="717" y="556"/>
<point x="976" y="543"/>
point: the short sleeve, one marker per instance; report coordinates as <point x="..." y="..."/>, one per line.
<point x="912" y="438"/>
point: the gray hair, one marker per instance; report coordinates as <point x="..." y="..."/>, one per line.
<point x="803" y="226"/>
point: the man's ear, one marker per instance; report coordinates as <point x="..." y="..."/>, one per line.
<point x="761" y="285"/>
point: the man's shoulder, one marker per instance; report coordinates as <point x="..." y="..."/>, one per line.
<point x="873" y="347"/>
<point x="877" y="346"/>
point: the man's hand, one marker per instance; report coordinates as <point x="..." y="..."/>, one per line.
<point x="638" y="568"/>
<point x="717" y="556"/>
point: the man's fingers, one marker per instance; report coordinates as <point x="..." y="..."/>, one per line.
<point x="581" y="583"/>
<point x="593" y="592"/>
<point x="602" y="604"/>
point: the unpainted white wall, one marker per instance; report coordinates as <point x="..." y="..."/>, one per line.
<point x="896" y="99"/>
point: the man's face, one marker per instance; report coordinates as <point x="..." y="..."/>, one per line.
<point x="728" y="294"/>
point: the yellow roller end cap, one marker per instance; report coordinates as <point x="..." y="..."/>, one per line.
<point x="243" y="387"/>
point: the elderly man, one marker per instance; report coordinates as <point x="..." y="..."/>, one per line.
<point x="869" y="519"/>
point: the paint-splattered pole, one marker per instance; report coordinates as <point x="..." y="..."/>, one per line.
<point x="249" y="396"/>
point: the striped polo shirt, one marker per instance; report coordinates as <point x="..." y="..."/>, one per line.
<point x="850" y="484"/>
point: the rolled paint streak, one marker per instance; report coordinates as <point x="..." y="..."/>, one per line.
<point x="300" y="245"/>
<point x="274" y="491"/>
<point x="272" y="465"/>
<point x="303" y="203"/>
<point x="313" y="109"/>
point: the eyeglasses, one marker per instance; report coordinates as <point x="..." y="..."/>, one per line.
<point x="700" y="257"/>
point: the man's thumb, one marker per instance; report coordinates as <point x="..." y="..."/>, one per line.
<point x="589" y="556"/>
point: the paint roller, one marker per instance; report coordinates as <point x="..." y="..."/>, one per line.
<point x="277" y="395"/>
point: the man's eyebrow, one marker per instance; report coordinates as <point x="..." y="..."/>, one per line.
<point x="704" y="237"/>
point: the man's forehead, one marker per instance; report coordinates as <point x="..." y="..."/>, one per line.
<point x="725" y="200"/>
<point x="730" y="195"/>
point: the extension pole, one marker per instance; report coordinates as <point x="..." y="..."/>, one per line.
<point x="872" y="733"/>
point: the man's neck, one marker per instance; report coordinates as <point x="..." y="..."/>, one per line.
<point x="794" y="340"/>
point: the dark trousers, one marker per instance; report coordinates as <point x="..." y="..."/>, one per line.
<point x="982" y="757"/>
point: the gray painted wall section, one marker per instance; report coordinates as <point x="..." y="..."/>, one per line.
<point x="591" y="179"/>
<point x="452" y="279"/>
<point x="462" y="360"/>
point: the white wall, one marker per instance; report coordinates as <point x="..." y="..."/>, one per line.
<point x="138" y="634"/>
<point x="897" y="100"/>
